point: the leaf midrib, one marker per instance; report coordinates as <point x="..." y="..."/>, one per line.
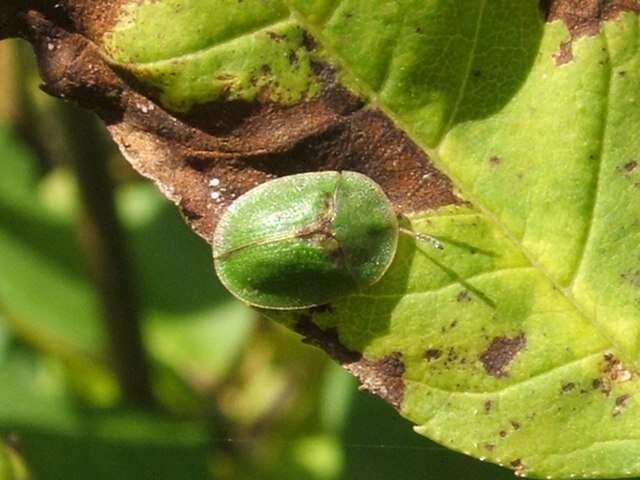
<point x="373" y="100"/>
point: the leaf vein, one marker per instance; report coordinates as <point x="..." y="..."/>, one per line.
<point x="465" y="80"/>
<point x="282" y="21"/>
<point x="598" y="170"/>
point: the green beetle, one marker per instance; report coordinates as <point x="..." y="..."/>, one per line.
<point x="303" y="240"/>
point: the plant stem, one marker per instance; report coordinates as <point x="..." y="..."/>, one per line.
<point x="26" y="117"/>
<point x="109" y="262"/>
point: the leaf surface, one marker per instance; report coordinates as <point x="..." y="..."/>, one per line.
<point x="504" y="128"/>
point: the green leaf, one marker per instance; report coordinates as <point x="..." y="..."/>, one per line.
<point x="47" y="297"/>
<point x="215" y="57"/>
<point x="59" y="440"/>
<point x="44" y="290"/>
<point x="11" y="465"/>
<point x="519" y="342"/>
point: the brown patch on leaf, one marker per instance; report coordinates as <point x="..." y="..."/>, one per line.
<point x="464" y="297"/>
<point x="567" y="387"/>
<point x="308" y="42"/>
<point x="622" y="400"/>
<point x="613" y="372"/>
<point x="621" y="404"/>
<point x="584" y="18"/>
<point x="205" y="159"/>
<point x="433" y="354"/>
<point x="89" y="19"/>
<point x="629" y="167"/>
<point x="518" y="467"/>
<point x="501" y="352"/>
<point x="632" y="277"/>
<point x="383" y="377"/>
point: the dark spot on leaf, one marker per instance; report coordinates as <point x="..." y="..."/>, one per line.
<point x="452" y="356"/>
<point x="276" y="37"/>
<point x="266" y="69"/>
<point x="564" y="53"/>
<point x="433" y="354"/>
<point x="501" y="352"/>
<point x="629" y="167"/>
<point x="613" y="372"/>
<point x="503" y="433"/>
<point x="632" y="278"/>
<point x="488" y="405"/>
<point x="464" y="297"/>
<point x="490" y="447"/>
<point x="495" y="161"/>
<point x="515" y="425"/>
<point x="308" y="42"/>
<point x="382" y="377"/>
<point x="622" y="400"/>
<point x="567" y="387"/>
<point x="293" y="58"/>
<point x="621" y="404"/>
<point x="518" y="466"/>
<point x="583" y="18"/>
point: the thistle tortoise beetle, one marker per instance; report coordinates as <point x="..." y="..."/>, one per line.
<point x="303" y="240"/>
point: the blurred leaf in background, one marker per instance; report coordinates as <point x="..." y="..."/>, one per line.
<point x="12" y="467"/>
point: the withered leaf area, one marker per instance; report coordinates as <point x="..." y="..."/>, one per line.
<point x="234" y="144"/>
<point x="584" y="18"/>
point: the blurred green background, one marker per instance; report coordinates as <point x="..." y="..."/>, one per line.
<point x="122" y="357"/>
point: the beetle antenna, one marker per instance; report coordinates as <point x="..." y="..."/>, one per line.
<point x="435" y="243"/>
